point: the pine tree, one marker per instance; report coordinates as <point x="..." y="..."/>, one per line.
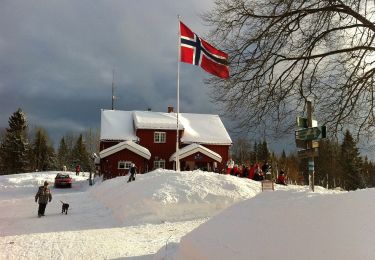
<point x="15" y="146"/>
<point x="80" y="154"/>
<point x="253" y="154"/>
<point x="328" y="170"/>
<point x="63" y="154"/>
<point x="2" y="138"/>
<point x="351" y="164"/>
<point x="263" y="153"/>
<point x="43" y="153"/>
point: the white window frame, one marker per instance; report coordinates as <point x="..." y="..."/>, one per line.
<point x="126" y="164"/>
<point x="160" y="137"/>
<point x="159" y="164"/>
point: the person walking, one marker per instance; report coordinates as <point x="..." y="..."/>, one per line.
<point x="132" y="173"/>
<point x="43" y="196"/>
<point x="78" y="169"/>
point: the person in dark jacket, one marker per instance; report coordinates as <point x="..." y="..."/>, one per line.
<point x="258" y="175"/>
<point x="132" y="171"/>
<point x="43" y="196"/>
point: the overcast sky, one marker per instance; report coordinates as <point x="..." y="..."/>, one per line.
<point x="57" y="57"/>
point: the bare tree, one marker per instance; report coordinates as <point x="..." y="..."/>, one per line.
<point x="284" y="52"/>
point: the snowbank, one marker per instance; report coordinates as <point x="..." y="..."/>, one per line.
<point x="167" y="196"/>
<point x="286" y="225"/>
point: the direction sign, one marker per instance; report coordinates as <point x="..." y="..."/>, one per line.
<point x="311" y="133"/>
<point x="302" y="144"/>
<point x="307" y="153"/>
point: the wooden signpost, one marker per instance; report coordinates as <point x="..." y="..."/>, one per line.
<point x="307" y="137"/>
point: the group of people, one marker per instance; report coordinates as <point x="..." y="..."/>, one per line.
<point x="254" y="172"/>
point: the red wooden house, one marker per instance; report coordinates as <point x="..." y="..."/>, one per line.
<point x="148" y="139"/>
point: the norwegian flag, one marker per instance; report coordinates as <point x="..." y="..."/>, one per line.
<point x="195" y="50"/>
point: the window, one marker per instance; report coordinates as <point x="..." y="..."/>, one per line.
<point x="124" y="165"/>
<point x="159" y="164"/>
<point x="159" y="137"/>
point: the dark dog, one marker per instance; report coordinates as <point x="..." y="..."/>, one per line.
<point x="65" y="207"/>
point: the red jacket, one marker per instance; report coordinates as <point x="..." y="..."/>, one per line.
<point x="281" y="179"/>
<point x="252" y="171"/>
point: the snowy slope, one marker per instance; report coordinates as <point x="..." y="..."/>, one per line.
<point x="165" y="195"/>
<point x="286" y="225"/>
<point x="217" y="216"/>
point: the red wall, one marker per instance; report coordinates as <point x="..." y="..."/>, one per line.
<point x="223" y="150"/>
<point x="109" y="164"/>
<point x="160" y="150"/>
<point x="107" y="144"/>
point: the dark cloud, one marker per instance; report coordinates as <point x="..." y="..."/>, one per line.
<point x="57" y="57"/>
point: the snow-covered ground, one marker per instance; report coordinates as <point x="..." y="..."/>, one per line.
<point x="187" y="215"/>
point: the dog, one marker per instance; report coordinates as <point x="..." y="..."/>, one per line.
<point x="65" y="207"/>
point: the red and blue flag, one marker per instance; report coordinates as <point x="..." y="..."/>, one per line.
<point x="195" y="50"/>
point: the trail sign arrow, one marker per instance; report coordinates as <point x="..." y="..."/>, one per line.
<point x="307" y="134"/>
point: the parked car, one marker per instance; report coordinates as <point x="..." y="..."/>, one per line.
<point x="63" y="180"/>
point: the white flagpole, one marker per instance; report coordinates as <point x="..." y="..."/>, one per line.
<point x="178" y="95"/>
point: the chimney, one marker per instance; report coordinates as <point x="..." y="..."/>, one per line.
<point x="170" y="109"/>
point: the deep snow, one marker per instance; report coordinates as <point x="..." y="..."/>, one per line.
<point x="217" y="216"/>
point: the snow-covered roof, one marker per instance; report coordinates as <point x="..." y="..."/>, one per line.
<point x="136" y="148"/>
<point x="204" y="128"/>
<point x="198" y="128"/>
<point x="117" y="125"/>
<point x="155" y="120"/>
<point x="195" y="148"/>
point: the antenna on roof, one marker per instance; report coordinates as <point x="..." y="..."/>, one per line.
<point x="113" y="89"/>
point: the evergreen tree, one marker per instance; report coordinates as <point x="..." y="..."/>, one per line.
<point x="80" y="154"/>
<point x="43" y="154"/>
<point x="351" y="164"/>
<point x="15" y="146"/>
<point x="253" y="154"/>
<point x="63" y="154"/>
<point x="282" y="161"/>
<point x="371" y="175"/>
<point x="263" y="153"/>
<point x="328" y="170"/>
<point x="2" y="138"/>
